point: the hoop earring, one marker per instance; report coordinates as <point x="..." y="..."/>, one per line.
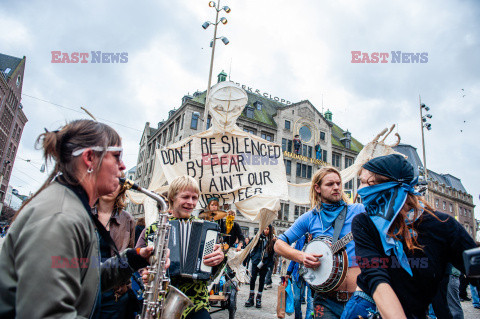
<point x="90" y="170"/>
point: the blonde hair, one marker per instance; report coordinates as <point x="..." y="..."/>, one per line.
<point x="180" y="184"/>
<point x="316" y="198"/>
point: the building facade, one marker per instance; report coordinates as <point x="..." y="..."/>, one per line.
<point x="12" y="118"/>
<point x="309" y="140"/>
<point x="445" y="192"/>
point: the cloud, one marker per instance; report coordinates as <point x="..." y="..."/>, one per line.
<point x="294" y="50"/>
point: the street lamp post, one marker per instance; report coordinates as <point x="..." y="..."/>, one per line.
<point x="428" y="126"/>
<point x="224" y="40"/>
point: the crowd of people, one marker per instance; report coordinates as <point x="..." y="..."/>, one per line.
<point x="72" y="249"/>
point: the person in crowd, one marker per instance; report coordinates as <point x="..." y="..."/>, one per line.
<point x="139" y="227"/>
<point x="410" y="243"/>
<point x="116" y="303"/>
<point x="297" y="145"/>
<point x="462" y="289"/>
<point x="49" y="260"/>
<point x="268" y="277"/>
<point x="329" y="204"/>
<point x="475" y="297"/>
<point x="299" y="284"/>
<point x="232" y="231"/>
<point x="262" y="258"/>
<point x="318" y="151"/>
<point x="183" y="195"/>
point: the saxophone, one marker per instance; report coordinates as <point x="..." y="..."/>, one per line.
<point x="161" y="300"/>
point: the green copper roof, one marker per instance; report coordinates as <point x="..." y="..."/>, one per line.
<point x="337" y="135"/>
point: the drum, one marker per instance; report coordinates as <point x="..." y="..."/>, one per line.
<point x="332" y="270"/>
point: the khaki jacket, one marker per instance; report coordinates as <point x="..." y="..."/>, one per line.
<point x="49" y="263"/>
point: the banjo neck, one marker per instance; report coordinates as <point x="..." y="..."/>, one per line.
<point x="339" y="244"/>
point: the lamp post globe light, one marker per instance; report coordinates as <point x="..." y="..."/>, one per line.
<point x="424" y="124"/>
<point x="225" y="41"/>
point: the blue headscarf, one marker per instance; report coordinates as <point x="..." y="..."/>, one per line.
<point x="329" y="212"/>
<point x="384" y="201"/>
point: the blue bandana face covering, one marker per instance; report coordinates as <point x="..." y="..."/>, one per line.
<point x="382" y="203"/>
<point x="329" y="212"/>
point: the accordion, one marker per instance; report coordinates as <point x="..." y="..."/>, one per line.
<point x="189" y="242"/>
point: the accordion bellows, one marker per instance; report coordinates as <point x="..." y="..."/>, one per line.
<point x="189" y="242"/>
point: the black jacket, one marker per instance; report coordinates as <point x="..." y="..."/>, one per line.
<point x="443" y="241"/>
<point x="261" y="250"/>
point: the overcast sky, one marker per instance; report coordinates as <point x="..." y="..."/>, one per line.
<point x="296" y="50"/>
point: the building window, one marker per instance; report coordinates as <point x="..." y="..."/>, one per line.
<point x="299" y="210"/>
<point x="170" y="132"/>
<point x="249" y="112"/>
<point x="310" y="151"/>
<point x="304" y="171"/>
<point x="288" y="166"/>
<point x="444" y="205"/>
<point x="245" y="231"/>
<point x="289" y="146"/>
<point x="322" y="136"/>
<point x="258" y="105"/>
<point x="436" y="203"/>
<point x="194" y="123"/>
<point x="336" y="160"/>
<point x="209" y="122"/>
<point x="164" y="137"/>
<point x="284" y="144"/>
<point x="324" y="156"/>
<point x="267" y="136"/>
<point x="304" y="150"/>
<point x="349" y="185"/>
<point x="283" y="212"/>
<point x="287" y="125"/>
<point x="181" y="124"/>
<point x="451" y="208"/>
<point x="249" y="130"/>
<point x="348" y="161"/>
<point x="177" y="126"/>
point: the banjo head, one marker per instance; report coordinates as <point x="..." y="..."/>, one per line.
<point x="317" y="277"/>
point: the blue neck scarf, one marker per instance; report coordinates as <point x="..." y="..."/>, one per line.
<point x="329" y="212"/>
<point x="382" y="203"/>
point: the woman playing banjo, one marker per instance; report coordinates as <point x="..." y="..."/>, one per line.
<point x="328" y="202"/>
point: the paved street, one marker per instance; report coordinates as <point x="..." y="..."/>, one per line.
<point x="269" y="305"/>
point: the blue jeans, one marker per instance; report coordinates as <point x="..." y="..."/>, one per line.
<point x="358" y="306"/>
<point x="327" y="308"/>
<point x="298" y="289"/>
<point x="475" y="298"/>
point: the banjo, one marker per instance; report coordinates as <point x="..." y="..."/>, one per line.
<point x="334" y="263"/>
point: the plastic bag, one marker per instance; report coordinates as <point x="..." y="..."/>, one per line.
<point x="289" y="308"/>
